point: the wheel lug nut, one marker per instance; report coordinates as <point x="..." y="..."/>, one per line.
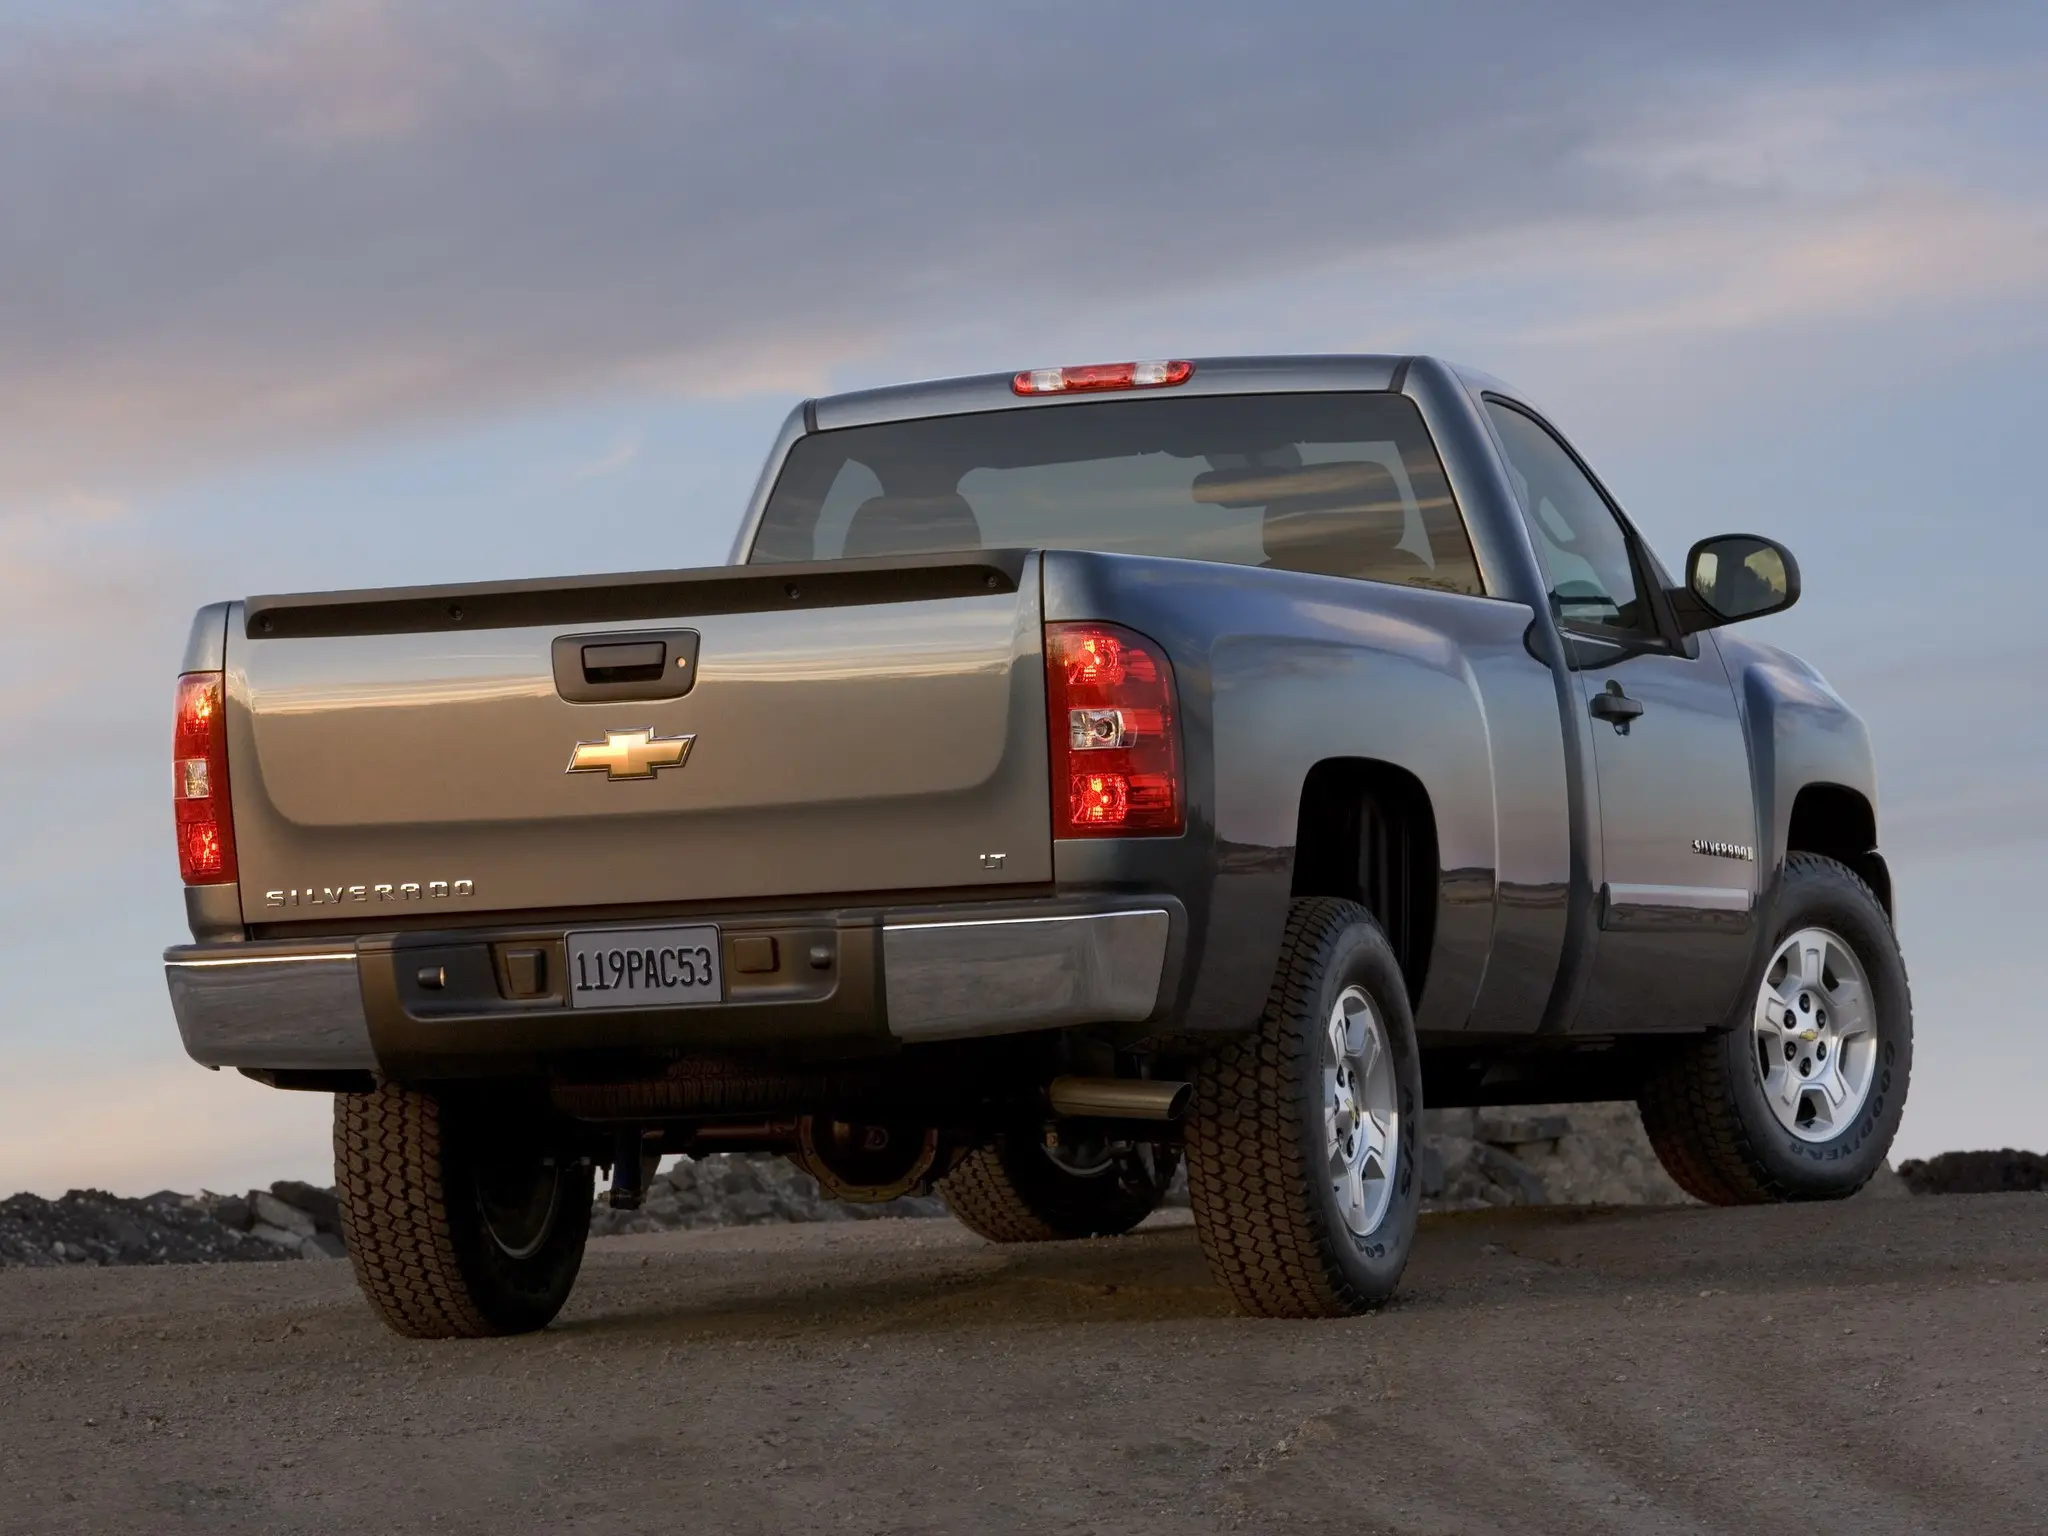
<point x="1805" y="1003"/>
<point x="1791" y="1050"/>
<point x="1791" y="1019"/>
<point x="1821" y="1017"/>
<point x="1821" y="1051"/>
<point x="1805" y="1067"/>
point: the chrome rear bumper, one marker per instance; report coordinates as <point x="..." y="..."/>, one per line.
<point x="270" y="1005"/>
<point x="945" y="976"/>
<point x="956" y="980"/>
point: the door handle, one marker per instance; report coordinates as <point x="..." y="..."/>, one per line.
<point x="630" y="665"/>
<point x="1616" y="707"/>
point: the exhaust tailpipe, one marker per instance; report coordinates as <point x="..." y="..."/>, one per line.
<point x="1118" y="1098"/>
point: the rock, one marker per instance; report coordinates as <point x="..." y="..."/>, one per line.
<point x="278" y="1237"/>
<point x="1975" y="1173"/>
<point x="1432" y="1169"/>
<point x="233" y="1212"/>
<point x="1604" y="1158"/>
<point x="323" y="1245"/>
<point x="1474" y="1175"/>
<point x="1515" y="1179"/>
<point x="1519" y="1129"/>
<point x="1885" y="1184"/>
<point x="1176" y="1191"/>
<point x="323" y="1205"/>
<point x="275" y="1212"/>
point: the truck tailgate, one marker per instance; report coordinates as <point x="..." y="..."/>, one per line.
<point x="837" y="745"/>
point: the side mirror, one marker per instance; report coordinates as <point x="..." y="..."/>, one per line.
<point x="1732" y="577"/>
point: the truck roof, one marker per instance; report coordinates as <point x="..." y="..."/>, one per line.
<point x="1212" y="376"/>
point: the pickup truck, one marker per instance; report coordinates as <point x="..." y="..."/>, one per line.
<point x="1072" y="774"/>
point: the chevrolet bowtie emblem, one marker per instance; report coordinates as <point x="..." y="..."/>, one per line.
<point x="630" y="754"/>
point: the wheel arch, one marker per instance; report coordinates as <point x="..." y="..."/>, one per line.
<point x="1839" y="822"/>
<point x="1366" y="831"/>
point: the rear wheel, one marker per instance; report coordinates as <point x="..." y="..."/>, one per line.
<point x="1019" y="1191"/>
<point x="1800" y="1098"/>
<point x="464" y="1217"/>
<point x="1302" y="1139"/>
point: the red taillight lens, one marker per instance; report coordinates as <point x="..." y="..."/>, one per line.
<point x="1115" y="744"/>
<point x="1070" y="381"/>
<point x="199" y="785"/>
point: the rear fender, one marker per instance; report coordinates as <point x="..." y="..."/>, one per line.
<point x="1279" y="671"/>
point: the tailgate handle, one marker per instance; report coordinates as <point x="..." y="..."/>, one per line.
<point x="638" y="664"/>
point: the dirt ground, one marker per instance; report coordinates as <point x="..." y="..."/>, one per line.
<point x="1876" y="1366"/>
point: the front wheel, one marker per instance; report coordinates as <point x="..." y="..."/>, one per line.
<point x="1800" y="1098"/>
<point x="1302" y="1139"/>
<point x="1019" y="1191"/>
<point x="465" y="1216"/>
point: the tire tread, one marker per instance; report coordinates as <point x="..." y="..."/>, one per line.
<point x="1247" y="1178"/>
<point x="984" y="1198"/>
<point x="388" y="1159"/>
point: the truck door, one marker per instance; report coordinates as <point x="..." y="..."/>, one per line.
<point x="1674" y="862"/>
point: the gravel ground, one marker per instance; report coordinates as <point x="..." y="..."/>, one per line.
<point x="1874" y="1366"/>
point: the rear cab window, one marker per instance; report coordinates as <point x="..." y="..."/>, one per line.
<point x="1339" y="484"/>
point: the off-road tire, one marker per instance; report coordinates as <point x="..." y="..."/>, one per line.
<point x="406" y="1166"/>
<point x="1703" y="1107"/>
<point x="1257" y="1165"/>
<point x="1013" y="1192"/>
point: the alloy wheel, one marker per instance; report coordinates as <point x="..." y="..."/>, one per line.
<point x="1361" y="1112"/>
<point x="1816" y="1048"/>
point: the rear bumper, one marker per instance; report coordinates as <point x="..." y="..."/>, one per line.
<point x="282" y="1006"/>
<point x="850" y="980"/>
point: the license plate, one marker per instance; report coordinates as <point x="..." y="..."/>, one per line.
<point x="643" y="967"/>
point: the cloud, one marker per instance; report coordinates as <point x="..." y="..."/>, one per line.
<point x="620" y="455"/>
<point x="237" y="231"/>
<point x="81" y="583"/>
<point x="69" y="1121"/>
<point x="1893" y="252"/>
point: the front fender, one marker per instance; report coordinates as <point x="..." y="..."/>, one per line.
<point x="1800" y="733"/>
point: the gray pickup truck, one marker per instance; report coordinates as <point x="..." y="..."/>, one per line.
<point x="1073" y="774"/>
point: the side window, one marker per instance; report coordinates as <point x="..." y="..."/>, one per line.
<point x="1583" y="547"/>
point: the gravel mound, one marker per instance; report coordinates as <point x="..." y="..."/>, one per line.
<point x="1568" y="1154"/>
<point x="1975" y="1173"/>
<point x="1542" y="1154"/>
<point x="89" y="1226"/>
<point x="290" y="1220"/>
<point x="742" y="1189"/>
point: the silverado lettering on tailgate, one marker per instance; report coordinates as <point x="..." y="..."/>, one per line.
<point x="402" y="890"/>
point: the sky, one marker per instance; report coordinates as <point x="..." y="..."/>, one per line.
<point x="301" y="294"/>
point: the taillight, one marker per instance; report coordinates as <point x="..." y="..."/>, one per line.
<point x="1070" y="381"/>
<point x="206" y="827"/>
<point x="1115" y="743"/>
